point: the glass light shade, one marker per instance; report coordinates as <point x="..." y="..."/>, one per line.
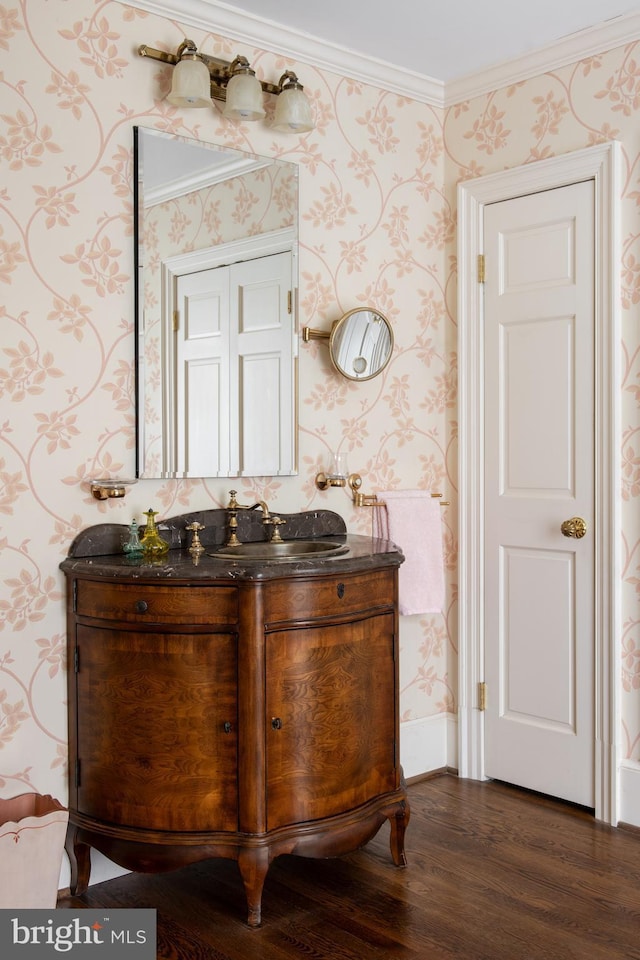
<point x="244" y="98"/>
<point x="293" y="111"/>
<point x="191" y="85"/>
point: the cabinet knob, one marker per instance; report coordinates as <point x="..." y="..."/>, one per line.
<point x="227" y="727"/>
<point x="276" y="723"/>
<point x="141" y="606"/>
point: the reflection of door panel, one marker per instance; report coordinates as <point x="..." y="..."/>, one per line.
<point x="264" y="363"/>
<point x="234" y="371"/>
<point x="539" y="469"/>
<point x="202" y="374"/>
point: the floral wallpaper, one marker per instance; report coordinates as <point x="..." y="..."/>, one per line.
<point x="378" y="181"/>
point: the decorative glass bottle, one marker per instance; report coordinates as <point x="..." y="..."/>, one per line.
<point x="153" y="546"/>
<point x="132" y="546"/>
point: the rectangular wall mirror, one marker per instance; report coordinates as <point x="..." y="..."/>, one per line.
<point x="216" y="292"/>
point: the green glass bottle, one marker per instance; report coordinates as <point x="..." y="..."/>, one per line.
<point x="132" y="546"/>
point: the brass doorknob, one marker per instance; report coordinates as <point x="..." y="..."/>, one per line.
<point x="576" y="527"/>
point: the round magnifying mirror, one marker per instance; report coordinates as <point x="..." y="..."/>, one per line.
<point x="361" y="344"/>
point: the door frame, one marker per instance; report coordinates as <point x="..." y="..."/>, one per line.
<point x="601" y="164"/>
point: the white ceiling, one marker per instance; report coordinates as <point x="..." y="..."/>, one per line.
<point x="440" y="39"/>
<point x="440" y="53"/>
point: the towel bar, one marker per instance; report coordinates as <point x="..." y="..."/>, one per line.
<point x="371" y="499"/>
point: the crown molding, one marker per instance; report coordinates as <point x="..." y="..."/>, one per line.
<point x="218" y="17"/>
<point x="571" y="49"/>
<point x="219" y="173"/>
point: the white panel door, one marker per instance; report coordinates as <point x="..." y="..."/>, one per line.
<point x="234" y="370"/>
<point x="202" y="374"/>
<point x="539" y="472"/>
<point x="265" y="370"/>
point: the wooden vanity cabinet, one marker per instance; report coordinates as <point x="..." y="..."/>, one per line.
<point x="241" y="720"/>
<point x="157" y="711"/>
<point x="330" y="702"/>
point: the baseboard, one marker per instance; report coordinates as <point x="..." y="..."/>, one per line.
<point x="432" y="775"/>
<point x="629" y="828"/>
<point x="428" y="745"/>
<point x="629" y="802"/>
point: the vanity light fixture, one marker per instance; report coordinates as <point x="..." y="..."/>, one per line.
<point x="198" y="79"/>
<point x="191" y="81"/>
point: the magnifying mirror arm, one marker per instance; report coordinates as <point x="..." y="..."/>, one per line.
<point x="308" y="333"/>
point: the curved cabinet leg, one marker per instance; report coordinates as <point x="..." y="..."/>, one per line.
<point x="399" y="820"/>
<point x="79" y="854"/>
<point x="253" y="865"/>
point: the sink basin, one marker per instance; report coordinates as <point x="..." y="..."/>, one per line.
<point x="286" y="550"/>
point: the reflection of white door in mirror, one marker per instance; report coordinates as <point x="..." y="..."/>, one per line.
<point x="213" y="207"/>
<point x="198" y="368"/>
<point x="232" y="363"/>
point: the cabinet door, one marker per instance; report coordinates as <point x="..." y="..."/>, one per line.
<point x="331" y="718"/>
<point x="157" y="729"/>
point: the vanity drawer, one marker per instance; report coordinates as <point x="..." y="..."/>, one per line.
<point x="151" y="603"/>
<point x="335" y="596"/>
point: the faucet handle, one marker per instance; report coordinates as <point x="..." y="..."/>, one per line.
<point x="196" y="547"/>
<point x="277" y="523"/>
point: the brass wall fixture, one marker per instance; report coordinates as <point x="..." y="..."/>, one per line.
<point x="360" y="343"/>
<point x="338" y="475"/>
<point x="360" y="499"/>
<point x="106" y="489"/>
<point x="196" y="549"/>
<point x="198" y="79"/>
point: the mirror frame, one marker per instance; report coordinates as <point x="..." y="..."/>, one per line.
<point x="337" y="328"/>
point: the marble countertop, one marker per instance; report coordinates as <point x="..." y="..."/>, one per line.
<point x="97" y="551"/>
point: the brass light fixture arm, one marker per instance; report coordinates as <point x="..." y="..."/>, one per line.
<point x="221" y="71"/>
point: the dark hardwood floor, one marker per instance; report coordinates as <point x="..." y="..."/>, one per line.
<point x="493" y="874"/>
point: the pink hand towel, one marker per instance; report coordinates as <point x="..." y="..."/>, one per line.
<point x="412" y="520"/>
